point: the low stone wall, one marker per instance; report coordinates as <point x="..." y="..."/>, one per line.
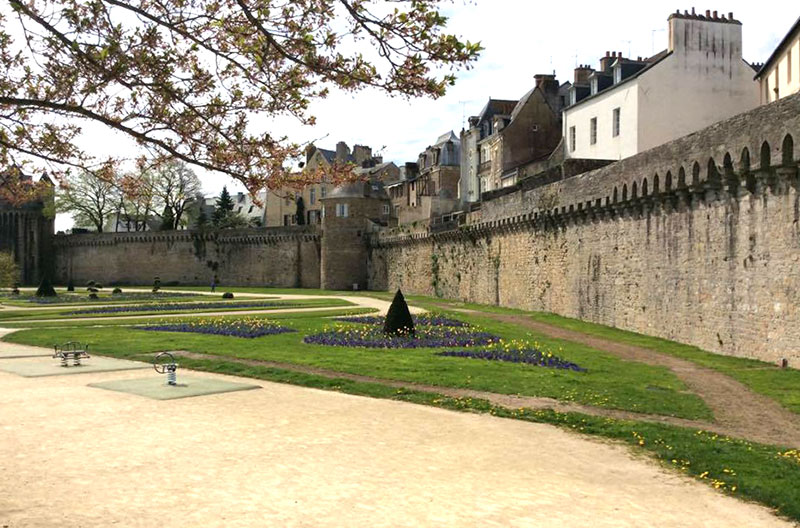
<point x="685" y="242"/>
<point x="281" y="257"/>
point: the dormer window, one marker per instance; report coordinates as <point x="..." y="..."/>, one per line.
<point x="617" y="74"/>
<point x="594" y="85"/>
<point x="573" y="96"/>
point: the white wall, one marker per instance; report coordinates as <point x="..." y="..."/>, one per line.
<point x="625" y="97"/>
<point x="702" y="82"/>
<point x="779" y="73"/>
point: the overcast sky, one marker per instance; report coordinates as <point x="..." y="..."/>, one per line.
<point x="521" y="38"/>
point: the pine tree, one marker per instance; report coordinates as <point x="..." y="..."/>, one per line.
<point x="223" y="209"/>
<point x="167" y="220"/>
<point x="398" y="320"/>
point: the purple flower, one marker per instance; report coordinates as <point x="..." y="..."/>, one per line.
<point x="530" y="356"/>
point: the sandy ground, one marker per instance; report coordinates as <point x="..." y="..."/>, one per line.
<point x="285" y="456"/>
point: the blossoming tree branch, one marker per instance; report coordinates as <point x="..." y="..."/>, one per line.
<point x="186" y="79"/>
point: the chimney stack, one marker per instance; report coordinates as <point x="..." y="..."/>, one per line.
<point x="342" y="151"/>
<point x="582" y="73"/>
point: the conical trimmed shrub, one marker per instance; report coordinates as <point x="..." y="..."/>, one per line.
<point x="398" y="320"/>
<point x="46" y="289"/>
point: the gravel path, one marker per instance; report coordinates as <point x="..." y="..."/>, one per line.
<point x="295" y="457"/>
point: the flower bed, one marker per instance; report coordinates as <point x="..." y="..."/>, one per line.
<point x="419" y="320"/>
<point x="248" y="328"/>
<point x="515" y="353"/>
<point x="83" y="298"/>
<point x="426" y="337"/>
<point x="181" y="307"/>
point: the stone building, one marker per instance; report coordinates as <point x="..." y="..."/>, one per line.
<point x="429" y="187"/>
<point x="350" y="212"/>
<point x="629" y="106"/>
<point x="534" y="130"/>
<point x="780" y="75"/>
<point x="480" y="153"/>
<point x="275" y="208"/>
<point x="26" y="232"/>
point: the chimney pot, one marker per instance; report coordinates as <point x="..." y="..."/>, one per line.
<point x="693" y="12"/>
<point x="715" y="16"/>
<point x="708" y="13"/>
<point x="730" y="15"/>
<point x="686" y="12"/>
<point x="607" y="54"/>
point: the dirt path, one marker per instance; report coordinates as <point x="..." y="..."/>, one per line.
<point x="738" y="411"/>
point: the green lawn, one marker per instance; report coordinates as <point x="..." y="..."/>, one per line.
<point x="782" y="385"/>
<point x="231" y="305"/>
<point x="609" y="382"/>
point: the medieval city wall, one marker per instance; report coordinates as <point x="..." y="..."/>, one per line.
<point x="281" y="257"/>
<point x="696" y="241"/>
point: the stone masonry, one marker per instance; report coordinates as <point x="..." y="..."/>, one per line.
<point x="697" y="241"/>
<point x="282" y="257"/>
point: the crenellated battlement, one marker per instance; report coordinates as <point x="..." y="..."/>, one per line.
<point x="228" y="236"/>
<point x="710" y="165"/>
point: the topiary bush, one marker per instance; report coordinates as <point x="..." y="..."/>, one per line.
<point x="46" y="289"/>
<point x="398" y="320"/>
<point x="98" y="286"/>
<point x="117" y="291"/>
<point x="227" y="295"/>
<point x="92" y="289"/>
<point x="15" y="291"/>
<point x="93" y="295"/>
<point x="90" y="284"/>
<point x="156" y="284"/>
<point x="70" y="286"/>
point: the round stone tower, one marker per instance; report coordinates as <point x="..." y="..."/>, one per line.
<point x="350" y="212"/>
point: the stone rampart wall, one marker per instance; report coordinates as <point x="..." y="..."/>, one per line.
<point x="281" y="257"/>
<point x="696" y="241"/>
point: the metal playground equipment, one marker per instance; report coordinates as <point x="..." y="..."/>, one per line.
<point x="72" y="350"/>
<point x="164" y="363"/>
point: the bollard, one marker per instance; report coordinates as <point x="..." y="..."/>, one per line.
<point x="164" y="363"/>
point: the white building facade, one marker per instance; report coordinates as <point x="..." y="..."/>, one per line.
<point x="780" y="75"/>
<point x="699" y="80"/>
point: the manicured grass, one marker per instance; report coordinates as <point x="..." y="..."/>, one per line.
<point x="233" y="305"/>
<point x="782" y="385"/>
<point x="81" y="298"/>
<point x="77" y="323"/>
<point x="609" y="382"/>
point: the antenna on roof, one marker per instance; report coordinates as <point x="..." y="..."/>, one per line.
<point x="463" y="114"/>
<point x="653" y="40"/>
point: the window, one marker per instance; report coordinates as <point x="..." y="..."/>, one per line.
<point x="572" y="139"/>
<point x="343" y="210"/>
<point x="386" y="209"/>
<point x="617" y="74"/>
<point x="323" y="191"/>
<point x="615" y="130"/>
<point x="312" y="195"/>
<point x="593" y="131"/>
<point x="594" y="89"/>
